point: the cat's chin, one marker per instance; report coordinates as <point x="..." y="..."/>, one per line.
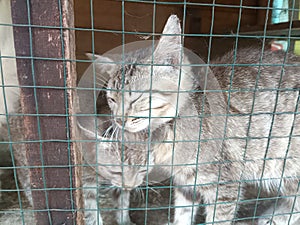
<point x="134" y="128"/>
<point x="144" y="126"/>
<point x="141" y="128"/>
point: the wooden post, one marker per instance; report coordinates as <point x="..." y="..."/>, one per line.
<point x="263" y="13"/>
<point x="46" y="74"/>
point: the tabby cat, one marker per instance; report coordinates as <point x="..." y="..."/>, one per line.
<point x="241" y="127"/>
<point x="105" y="163"/>
<point x="124" y="167"/>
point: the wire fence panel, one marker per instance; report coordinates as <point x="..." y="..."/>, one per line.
<point x="183" y="112"/>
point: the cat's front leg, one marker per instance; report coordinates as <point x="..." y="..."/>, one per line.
<point x="221" y="203"/>
<point x="92" y="214"/>
<point x="185" y="207"/>
<point x="122" y="198"/>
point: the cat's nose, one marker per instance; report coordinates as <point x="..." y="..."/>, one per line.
<point x="127" y="188"/>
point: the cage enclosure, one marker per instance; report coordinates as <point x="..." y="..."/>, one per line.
<point x="45" y="175"/>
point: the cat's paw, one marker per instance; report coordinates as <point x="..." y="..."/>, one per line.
<point x="93" y="222"/>
<point x="91" y="219"/>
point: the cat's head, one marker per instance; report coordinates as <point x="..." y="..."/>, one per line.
<point x="149" y="87"/>
<point x="123" y="165"/>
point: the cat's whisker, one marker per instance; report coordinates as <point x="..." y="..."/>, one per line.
<point x="140" y="194"/>
<point x="112" y="139"/>
<point x="100" y="81"/>
<point x="109" y="188"/>
<point x="105" y="135"/>
<point x="154" y="190"/>
<point x="155" y="183"/>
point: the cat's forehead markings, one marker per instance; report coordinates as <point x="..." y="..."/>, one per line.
<point x="125" y="71"/>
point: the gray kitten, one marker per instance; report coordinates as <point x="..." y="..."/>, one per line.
<point x="104" y="163"/>
<point x="123" y="166"/>
<point x="214" y="142"/>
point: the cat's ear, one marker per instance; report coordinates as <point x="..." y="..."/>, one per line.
<point x="169" y="46"/>
<point x="103" y="65"/>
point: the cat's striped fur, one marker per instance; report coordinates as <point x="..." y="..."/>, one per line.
<point x="218" y="142"/>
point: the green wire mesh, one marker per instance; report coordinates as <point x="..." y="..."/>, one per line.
<point x="157" y="202"/>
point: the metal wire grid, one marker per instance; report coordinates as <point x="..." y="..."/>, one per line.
<point x="123" y="32"/>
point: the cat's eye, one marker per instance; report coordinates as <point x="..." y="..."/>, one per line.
<point x="136" y="99"/>
<point x="136" y="119"/>
<point x="111" y="100"/>
<point x="116" y="173"/>
<point x="143" y="171"/>
<point x="159" y="107"/>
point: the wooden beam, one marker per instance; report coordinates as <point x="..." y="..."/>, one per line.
<point x="46" y="74"/>
<point x="279" y="29"/>
<point x="263" y="13"/>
